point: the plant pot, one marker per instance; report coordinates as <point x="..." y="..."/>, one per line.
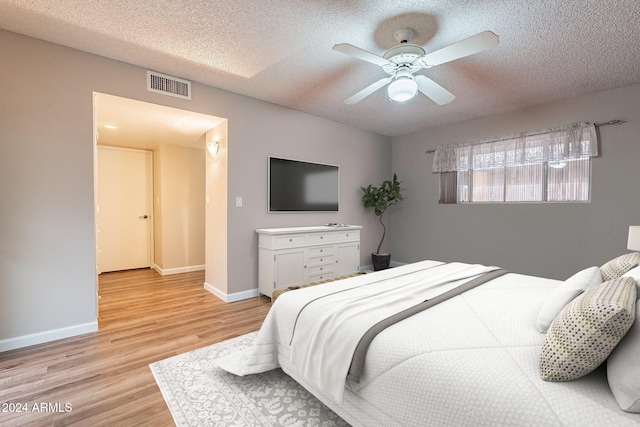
<point x="380" y="261"/>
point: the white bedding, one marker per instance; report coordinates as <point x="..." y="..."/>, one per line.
<point x="471" y="360"/>
<point x="327" y="332"/>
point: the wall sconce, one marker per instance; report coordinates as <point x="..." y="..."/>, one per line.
<point x="633" y="243"/>
<point x="213" y="147"/>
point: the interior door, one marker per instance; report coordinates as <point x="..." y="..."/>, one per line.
<point x="123" y="214"/>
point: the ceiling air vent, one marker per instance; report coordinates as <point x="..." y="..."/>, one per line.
<point x="167" y="85"/>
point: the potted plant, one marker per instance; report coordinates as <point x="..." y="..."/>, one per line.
<point x="380" y="198"/>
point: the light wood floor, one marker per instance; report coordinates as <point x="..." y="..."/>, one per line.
<point x="104" y="376"/>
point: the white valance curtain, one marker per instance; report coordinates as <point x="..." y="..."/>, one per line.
<point x="556" y="145"/>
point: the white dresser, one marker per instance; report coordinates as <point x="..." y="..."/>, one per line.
<point x="297" y="255"/>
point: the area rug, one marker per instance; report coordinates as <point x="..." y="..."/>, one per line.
<point x="198" y="393"/>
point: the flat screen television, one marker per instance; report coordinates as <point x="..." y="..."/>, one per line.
<point x="298" y="186"/>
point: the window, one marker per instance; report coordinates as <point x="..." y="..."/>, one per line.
<point x="543" y="166"/>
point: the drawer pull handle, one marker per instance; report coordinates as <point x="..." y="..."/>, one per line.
<point x="291" y="240"/>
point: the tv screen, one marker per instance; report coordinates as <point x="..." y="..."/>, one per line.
<point x="297" y="186"/>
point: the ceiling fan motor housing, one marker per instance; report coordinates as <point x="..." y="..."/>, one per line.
<point x="404" y="55"/>
<point x="404" y="72"/>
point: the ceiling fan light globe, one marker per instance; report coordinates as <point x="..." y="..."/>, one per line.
<point x="402" y="89"/>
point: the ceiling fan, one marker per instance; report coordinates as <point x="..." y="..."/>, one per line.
<point x="404" y="60"/>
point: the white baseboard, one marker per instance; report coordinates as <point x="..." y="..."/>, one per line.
<point x="47" y="336"/>
<point x="168" y="271"/>
<point x="238" y="296"/>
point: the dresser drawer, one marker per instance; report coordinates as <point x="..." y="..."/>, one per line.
<point x="321" y="260"/>
<point x="320" y="277"/>
<point x="344" y="236"/>
<point x="289" y="241"/>
<point x="320" y="238"/>
<point x="320" y="251"/>
<point x="320" y="270"/>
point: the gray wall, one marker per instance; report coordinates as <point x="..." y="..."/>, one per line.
<point x="363" y="158"/>
<point x="47" y="242"/>
<point x="549" y="240"/>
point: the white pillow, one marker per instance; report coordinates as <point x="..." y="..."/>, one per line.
<point x="623" y="369"/>
<point x="565" y="293"/>
<point x="635" y="273"/>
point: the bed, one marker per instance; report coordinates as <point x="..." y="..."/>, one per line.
<point x="472" y="359"/>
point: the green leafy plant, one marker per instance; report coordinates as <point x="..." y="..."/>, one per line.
<point x="381" y="198"/>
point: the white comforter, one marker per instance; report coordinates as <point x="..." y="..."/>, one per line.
<point x="327" y="332"/>
<point x="471" y="360"/>
<point x="280" y="324"/>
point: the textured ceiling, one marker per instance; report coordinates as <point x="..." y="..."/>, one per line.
<point x="280" y="50"/>
<point x="146" y="126"/>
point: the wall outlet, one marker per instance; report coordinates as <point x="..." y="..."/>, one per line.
<point x="238" y="201"/>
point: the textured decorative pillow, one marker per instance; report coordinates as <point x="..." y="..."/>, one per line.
<point x="587" y="329"/>
<point x="623" y="369"/>
<point x="618" y="266"/>
<point x="565" y="293"/>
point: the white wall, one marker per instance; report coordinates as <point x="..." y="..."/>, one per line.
<point x="47" y="280"/>
<point x="549" y="240"/>
<point x="216" y="222"/>
<point x="179" y="196"/>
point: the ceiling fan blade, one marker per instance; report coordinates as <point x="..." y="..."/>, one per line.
<point x="469" y="46"/>
<point x="367" y="91"/>
<point x="433" y="90"/>
<point x="349" y="49"/>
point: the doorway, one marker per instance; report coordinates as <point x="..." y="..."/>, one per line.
<point x="174" y="138"/>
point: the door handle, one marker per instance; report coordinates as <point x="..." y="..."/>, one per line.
<point x="143" y="216"/>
